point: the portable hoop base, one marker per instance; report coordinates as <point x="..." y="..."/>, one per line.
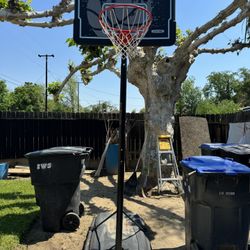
<point x="102" y="233"/>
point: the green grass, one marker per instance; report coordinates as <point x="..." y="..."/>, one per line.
<point x="18" y="210"/>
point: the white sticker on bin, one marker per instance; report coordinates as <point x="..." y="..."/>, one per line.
<point x="43" y="166"/>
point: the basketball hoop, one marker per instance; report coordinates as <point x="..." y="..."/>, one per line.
<point x="125" y="25"/>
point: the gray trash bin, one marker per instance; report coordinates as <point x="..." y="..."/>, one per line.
<point x="237" y="152"/>
<point x="213" y="148"/>
<point x="55" y="174"/>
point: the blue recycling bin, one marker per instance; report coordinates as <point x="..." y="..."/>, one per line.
<point x="4" y="167"/>
<point x="111" y="160"/>
<point x="217" y="202"/>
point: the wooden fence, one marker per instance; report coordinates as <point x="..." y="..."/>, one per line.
<point x="22" y="132"/>
<point x="219" y="124"/>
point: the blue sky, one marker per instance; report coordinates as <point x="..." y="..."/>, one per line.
<point x="20" y="47"/>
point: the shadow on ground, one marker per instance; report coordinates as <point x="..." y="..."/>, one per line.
<point x="175" y="248"/>
<point x="95" y="188"/>
<point x="163" y="220"/>
<point x="36" y="234"/>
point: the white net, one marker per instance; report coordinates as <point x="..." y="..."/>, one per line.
<point x="125" y="25"/>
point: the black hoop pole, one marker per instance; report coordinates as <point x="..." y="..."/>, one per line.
<point x="120" y="189"/>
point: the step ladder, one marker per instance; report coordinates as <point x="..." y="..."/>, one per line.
<point x="167" y="166"/>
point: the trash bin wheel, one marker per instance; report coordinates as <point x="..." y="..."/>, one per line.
<point x="81" y="209"/>
<point x="71" y="221"/>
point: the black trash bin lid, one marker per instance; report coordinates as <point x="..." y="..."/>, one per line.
<point x="215" y="146"/>
<point x="238" y="149"/>
<point x="78" y="151"/>
<point x="214" y="164"/>
<point x="74" y="149"/>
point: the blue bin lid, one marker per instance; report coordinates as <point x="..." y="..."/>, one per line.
<point x="214" y="146"/>
<point x="214" y="164"/>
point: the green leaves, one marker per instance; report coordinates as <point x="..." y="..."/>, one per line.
<point x="86" y="76"/>
<point x="101" y="107"/>
<point x="29" y="97"/>
<point x="223" y="107"/>
<point x="4" y="97"/>
<point x="221" y="86"/>
<point x="181" y="37"/>
<point x="93" y="56"/>
<point x="71" y="42"/>
<point x="16" y="5"/>
<point x="89" y="52"/>
<point x="24" y="5"/>
<point x="225" y="92"/>
<point x="3" y="4"/>
<point x="53" y="87"/>
<point x="189" y="98"/>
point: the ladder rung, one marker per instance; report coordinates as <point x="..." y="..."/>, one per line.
<point x="167" y="164"/>
<point x="166" y="152"/>
<point x="170" y="179"/>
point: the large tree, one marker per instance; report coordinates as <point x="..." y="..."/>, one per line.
<point x="243" y="95"/>
<point x="224" y="107"/>
<point x="221" y="86"/>
<point x="67" y="101"/>
<point x="4" y="96"/>
<point x="101" y="107"/>
<point x="190" y="96"/>
<point x="158" y="77"/>
<point x="28" y="97"/>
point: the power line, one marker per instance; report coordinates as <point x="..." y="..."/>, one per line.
<point x="35" y="42"/>
<point x="108" y="93"/>
<point x="9" y="77"/>
<point x="9" y="81"/>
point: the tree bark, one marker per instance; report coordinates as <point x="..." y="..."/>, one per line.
<point x="159" y="84"/>
<point x="158" y="121"/>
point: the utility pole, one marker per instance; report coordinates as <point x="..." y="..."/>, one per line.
<point x="46" y="79"/>
<point x="78" y="101"/>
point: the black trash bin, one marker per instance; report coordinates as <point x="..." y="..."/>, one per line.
<point x="213" y="148"/>
<point x="237" y="152"/>
<point x="55" y="174"/>
<point x="217" y="202"/>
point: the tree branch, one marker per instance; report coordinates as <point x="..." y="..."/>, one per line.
<point x="65" y="6"/>
<point x="116" y="71"/>
<point x="86" y="65"/>
<point x="56" y="23"/>
<point x="235" y="47"/>
<point x="109" y="66"/>
<point x="224" y="26"/>
<point x="214" y="22"/>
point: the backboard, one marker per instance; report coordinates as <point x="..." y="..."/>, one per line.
<point x="87" y="29"/>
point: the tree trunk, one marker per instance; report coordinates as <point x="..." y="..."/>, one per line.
<point x="158" y="121"/>
<point x="159" y="84"/>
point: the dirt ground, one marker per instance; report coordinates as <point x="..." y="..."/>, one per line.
<point x="163" y="215"/>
